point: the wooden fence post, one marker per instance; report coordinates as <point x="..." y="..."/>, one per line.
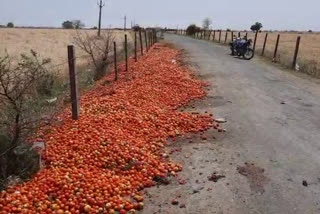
<point x="226" y="37"/>
<point x="276" y="49"/>
<point x="126" y="50"/>
<point x="239" y="34"/>
<point x="135" y="47"/>
<point x="150" y="39"/>
<point x="73" y="83"/>
<point x="264" y="44"/>
<point x="255" y="42"/>
<point x="209" y="35"/>
<point x="219" y="36"/>
<point x="247" y="35"/>
<point x="141" y="44"/>
<point x="146" y="39"/>
<point x="232" y="36"/>
<point x="155" y="36"/>
<point x="296" y="52"/>
<point x="214" y="35"/>
<point x="151" y="36"/>
<point x="115" y="61"/>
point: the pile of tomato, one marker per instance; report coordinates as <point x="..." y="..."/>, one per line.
<point x="100" y="163"/>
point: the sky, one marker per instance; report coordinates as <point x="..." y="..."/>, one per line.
<point x="233" y="14"/>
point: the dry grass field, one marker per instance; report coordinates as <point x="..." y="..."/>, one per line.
<point x="49" y="43"/>
<point x="309" y="53"/>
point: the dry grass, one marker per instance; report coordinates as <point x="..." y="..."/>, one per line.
<point x="49" y="43"/>
<point x="309" y="53"/>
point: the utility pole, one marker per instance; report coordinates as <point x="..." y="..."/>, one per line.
<point x="125" y="23"/>
<point x="101" y="5"/>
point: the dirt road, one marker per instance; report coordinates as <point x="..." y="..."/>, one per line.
<point x="270" y="154"/>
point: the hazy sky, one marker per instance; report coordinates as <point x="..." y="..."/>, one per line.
<point x="234" y="14"/>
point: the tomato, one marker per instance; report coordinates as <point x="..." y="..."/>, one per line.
<point x="115" y="149"/>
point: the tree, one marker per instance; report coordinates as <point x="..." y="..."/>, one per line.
<point x="192" y="29"/>
<point x="10" y="25"/>
<point x="77" y="24"/>
<point x="136" y="28"/>
<point x="256" y="27"/>
<point x="98" y="49"/>
<point x="207" y="22"/>
<point x="67" y="25"/>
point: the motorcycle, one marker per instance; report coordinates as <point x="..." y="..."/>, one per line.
<point x="242" y="47"/>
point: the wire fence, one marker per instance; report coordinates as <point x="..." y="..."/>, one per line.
<point x="135" y="44"/>
<point x="297" y="50"/>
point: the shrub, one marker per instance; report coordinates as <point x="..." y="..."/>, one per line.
<point x="97" y="48"/>
<point x="192" y="29"/>
<point x="21" y="113"/>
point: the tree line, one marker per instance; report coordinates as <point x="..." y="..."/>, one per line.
<point x="207" y="24"/>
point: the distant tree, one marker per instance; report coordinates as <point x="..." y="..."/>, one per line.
<point x="228" y="30"/>
<point x="78" y="24"/>
<point x="310" y="31"/>
<point x="136" y="28"/>
<point x="192" y="29"/>
<point x="67" y="25"/>
<point x="207" y="22"/>
<point x="10" y="25"/>
<point x="256" y="27"/>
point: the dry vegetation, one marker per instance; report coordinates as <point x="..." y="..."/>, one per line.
<point x="309" y="54"/>
<point x="33" y="87"/>
<point x="49" y="43"/>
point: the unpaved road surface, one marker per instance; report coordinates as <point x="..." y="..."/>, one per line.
<point x="271" y="146"/>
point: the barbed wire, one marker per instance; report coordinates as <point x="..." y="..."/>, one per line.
<point x="67" y="61"/>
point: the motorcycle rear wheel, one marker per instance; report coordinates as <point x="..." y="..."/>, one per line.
<point x="249" y="54"/>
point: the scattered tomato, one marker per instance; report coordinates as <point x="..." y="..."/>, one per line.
<point x="116" y="147"/>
